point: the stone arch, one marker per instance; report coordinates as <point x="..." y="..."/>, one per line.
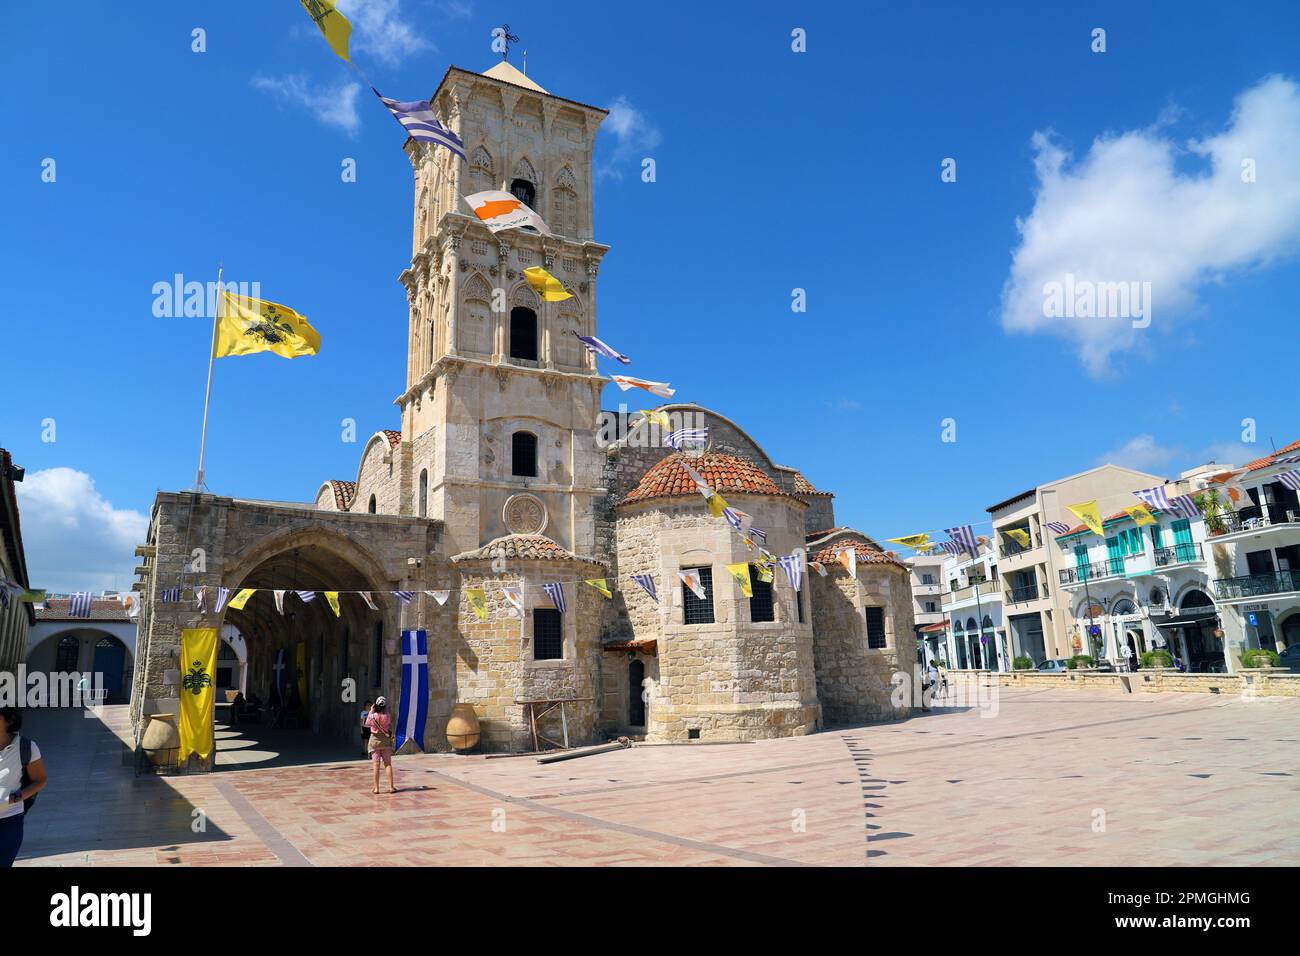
<point x="525" y="184"/>
<point x="474" y="325"/>
<point x="333" y="543"/>
<point x="1192" y="596"/>
<point x="564" y="211"/>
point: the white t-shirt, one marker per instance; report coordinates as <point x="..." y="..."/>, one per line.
<point x="11" y="776"/>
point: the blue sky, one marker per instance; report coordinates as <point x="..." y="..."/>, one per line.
<point x="776" y="171"/>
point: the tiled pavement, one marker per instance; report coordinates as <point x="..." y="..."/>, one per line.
<point x="1057" y="777"/>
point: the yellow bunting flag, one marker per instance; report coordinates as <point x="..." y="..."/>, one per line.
<point x="1018" y="535"/>
<point x="741" y="573"/>
<point x="478" y="601"/>
<point x="246" y="325"/>
<point x="333" y="24"/>
<point x="764" y="572"/>
<point x="548" y="287"/>
<point x="600" y="585"/>
<point x="1140" y="515"/>
<point x="918" y="541"/>
<point x="198" y="685"/>
<point x="716" y="504"/>
<point x="657" y="418"/>
<point x="1086" y="511"/>
<point x="240" y="599"/>
<point x="333" y="598"/>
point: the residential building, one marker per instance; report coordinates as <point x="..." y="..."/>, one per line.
<point x="976" y="636"/>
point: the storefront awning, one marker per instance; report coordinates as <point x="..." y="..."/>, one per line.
<point x="934" y="628"/>
<point x="644" y="646"/>
<point x="1189" y="617"/>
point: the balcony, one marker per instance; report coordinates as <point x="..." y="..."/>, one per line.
<point x="1254" y="585"/>
<point x="1092" y="572"/>
<point x="1257" y="519"/>
<point x="1009" y="549"/>
<point x="987" y="590"/>
<point x="1030" y="592"/>
<point x="1179" y="554"/>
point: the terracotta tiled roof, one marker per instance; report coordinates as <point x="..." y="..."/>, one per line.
<point x="725" y="474"/>
<point x="101" y="609"/>
<point x="866" y="553"/>
<point x="1261" y="463"/>
<point x="523" y="547"/>
<point x="345" y="492"/>
<point x="802" y="486"/>
<point x="394" y="437"/>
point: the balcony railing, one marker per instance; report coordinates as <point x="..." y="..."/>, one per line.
<point x="1009" y="548"/>
<point x="1092" y="572"/>
<point x="1029" y="592"/>
<point x="1253" y="585"/>
<point x="1251" y="519"/>
<point x="1178" y="554"/>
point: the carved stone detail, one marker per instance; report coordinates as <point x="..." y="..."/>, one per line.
<point x="524" y="514"/>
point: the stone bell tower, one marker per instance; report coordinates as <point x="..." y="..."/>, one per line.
<point x="501" y="400"/>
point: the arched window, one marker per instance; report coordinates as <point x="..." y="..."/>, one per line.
<point x="65" y="658"/>
<point x="424" y="494"/>
<point x="371" y="507"/>
<point x="523" y="454"/>
<point x="523" y="333"/>
<point x="524" y="191"/>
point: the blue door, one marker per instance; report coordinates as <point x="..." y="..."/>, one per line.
<point x="110" y="659"/>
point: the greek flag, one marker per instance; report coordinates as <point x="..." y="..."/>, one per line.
<point x="223" y="595"/>
<point x="683" y="435"/>
<point x="555" y="591"/>
<point x="648" y="583"/>
<point x="738" y="520"/>
<point x="419" y="120"/>
<point x="793" y="564"/>
<point x="414" y="707"/>
<point x="758" y="533"/>
<point x="403" y="596"/>
<point x="79" y="604"/>
<point x="596" y="347"/>
<point x="171" y="595"/>
<point x="306" y="596"/>
<point x="964" y="537"/>
<point x="1057" y="527"/>
<point x="1291" y="479"/>
<point x="1184" y="505"/>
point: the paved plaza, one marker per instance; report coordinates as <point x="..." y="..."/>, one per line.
<point x="1056" y="777"/>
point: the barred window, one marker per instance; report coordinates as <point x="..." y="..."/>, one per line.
<point x="760" y="605"/>
<point x="876" y="627"/>
<point x="548" y="634"/>
<point x="523" y="454"/>
<point x="698" y="610"/>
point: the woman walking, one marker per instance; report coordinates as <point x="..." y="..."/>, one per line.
<point x="381" y="741"/>
<point x="22" y="776"/>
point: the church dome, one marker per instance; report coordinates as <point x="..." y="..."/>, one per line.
<point x="725" y="474"/>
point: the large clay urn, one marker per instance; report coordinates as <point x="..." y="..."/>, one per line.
<point x="161" y="739"/>
<point x="463" y="727"/>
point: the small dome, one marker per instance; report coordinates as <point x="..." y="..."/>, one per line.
<point x="725" y="474"/>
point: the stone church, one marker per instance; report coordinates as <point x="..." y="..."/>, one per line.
<point x="505" y="472"/>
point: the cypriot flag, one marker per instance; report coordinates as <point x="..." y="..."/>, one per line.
<point x="500" y="210"/>
<point x="692" y="580"/>
<point x="654" y="388"/>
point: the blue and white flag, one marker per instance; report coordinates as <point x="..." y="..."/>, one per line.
<point x="793" y="564"/>
<point x="306" y="596"/>
<point x="1183" y="505"/>
<point x="596" y="347"/>
<point x="1291" y="479"/>
<point x="555" y="591"/>
<point x="964" y="535"/>
<point x="419" y="120"/>
<point x="79" y="604"/>
<point x="648" y="583"/>
<point x="951" y="547"/>
<point x="759" y="533"/>
<point x="739" y="520"/>
<point x="223" y="595"/>
<point x="694" y="436"/>
<point x="1057" y="527"/>
<point x="415" y="689"/>
<point x="171" y="595"/>
<point x="403" y="596"/>
<point x="280" y="677"/>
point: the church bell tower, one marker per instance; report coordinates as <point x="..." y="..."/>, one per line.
<point x="501" y="400"/>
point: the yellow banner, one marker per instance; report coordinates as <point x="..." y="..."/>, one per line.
<point x="333" y="598"/>
<point x="600" y="585"/>
<point x="241" y="598"/>
<point x="741" y="573"/>
<point x="1086" y="511"/>
<point x="1018" y="535"/>
<point x="1140" y="515"/>
<point x="332" y="24"/>
<point x="477" y="598"/>
<point x="716" y="504"/>
<point x="198" y="686"/>
<point x="548" y="287"/>
<point x="918" y="541"/>
<point x="252" y="325"/>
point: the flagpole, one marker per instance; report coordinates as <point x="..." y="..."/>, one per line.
<point x="207" y="397"/>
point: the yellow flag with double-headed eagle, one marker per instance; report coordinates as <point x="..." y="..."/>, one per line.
<point x="246" y="325"/>
<point x="333" y="25"/>
<point x="198" y="685"/>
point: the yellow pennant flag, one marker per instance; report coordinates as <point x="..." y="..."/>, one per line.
<point x="1086" y="511"/>
<point x="1018" y="535"/>
<point x="198" y="685"/>
<point x="741" y="573"/>
<point x="716" y="504"/>
<point x="918" y="541"/>
<point x="1141" y="515"/>
<point x="241" y="598"/>
<point x="478" y="601"/>
<point x="548" y="287"/>
<point x="764" y="572"/>
<point x="333" y="598"/>
<point x="333" y="24"/>
<point x="600" y="585"/>
<point x="247" y="325"/>
<point x="657" y="418"/>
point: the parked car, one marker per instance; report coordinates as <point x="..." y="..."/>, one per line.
<point x="1106" y="666"/>
<point x="1290" y="659"/>
<point x="1054" y="666"/>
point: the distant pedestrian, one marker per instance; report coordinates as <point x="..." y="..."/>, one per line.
<point x="22" y="776"/>
<point x="365" y="730"/>
<point x="381" y="742"/>
<point x="932" y="678"/>
<point x="942" y="671"/>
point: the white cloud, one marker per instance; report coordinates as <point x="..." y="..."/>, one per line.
<point x="74" y="539"/>
<point x="634" y="135"/>
<point x="1142" y="452"/>
<point x="378" y="28"/>
<point x="1125" y="213"/>
<point x="1145" y="453"/>
<point x="333" y="106"/>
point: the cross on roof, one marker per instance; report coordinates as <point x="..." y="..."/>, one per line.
<point x="507" y="38"/>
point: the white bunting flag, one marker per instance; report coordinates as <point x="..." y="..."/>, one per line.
<point x="500" y="210"/>
<point x="439" y="596"/>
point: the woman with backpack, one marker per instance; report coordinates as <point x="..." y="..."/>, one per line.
<point x="381" y="741"/>
<point x="22" y="776"/>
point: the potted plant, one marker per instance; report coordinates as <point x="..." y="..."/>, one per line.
<point x="1157" y="659"/>
<point x="1079" y="660"/>
<point x="1022" y="663"/>
<point x="1259" y="657"/>
<point x="1212" y="506"/>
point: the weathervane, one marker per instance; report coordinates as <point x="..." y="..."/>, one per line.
<point x="507" y="38"/>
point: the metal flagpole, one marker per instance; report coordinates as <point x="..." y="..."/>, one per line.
<point x="207" y="397"/>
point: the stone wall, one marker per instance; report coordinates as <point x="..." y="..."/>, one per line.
<point x="1259" y="682"/>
